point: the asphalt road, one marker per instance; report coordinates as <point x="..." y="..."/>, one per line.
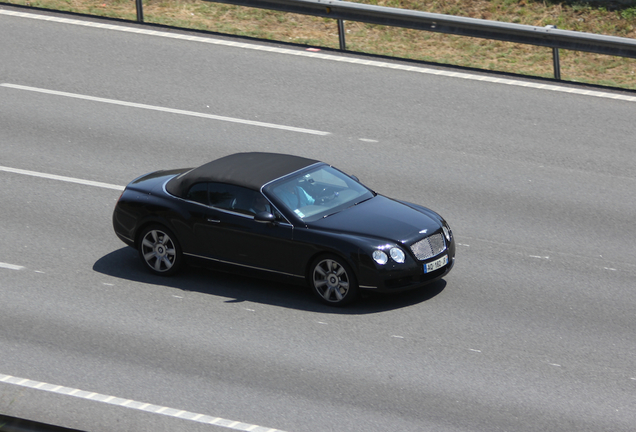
<point x="534" y="330"/>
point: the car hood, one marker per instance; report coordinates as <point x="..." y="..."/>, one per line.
<point x="384" y="218"/>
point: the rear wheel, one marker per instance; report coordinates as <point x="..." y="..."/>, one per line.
<point x="333" y="281"/>
<point x="160" y="250"/>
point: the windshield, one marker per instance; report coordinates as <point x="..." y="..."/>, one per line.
<point x="317" y="192"/>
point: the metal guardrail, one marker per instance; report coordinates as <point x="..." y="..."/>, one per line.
<point x="548" y="36"/>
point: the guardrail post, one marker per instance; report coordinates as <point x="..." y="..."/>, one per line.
<point x="557" y="66"/>
<point x="140" y="11"/>
<point x="341" y="35"/>
<point x="555" y="59"/>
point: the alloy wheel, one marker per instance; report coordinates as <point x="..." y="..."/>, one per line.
<point x="332" y="281"/>
<point x="159" y="251"/>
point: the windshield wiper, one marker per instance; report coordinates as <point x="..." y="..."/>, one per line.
<point x="330" y="214"/>
<point x="352" y="205"/>
<point x="360" y="202"/>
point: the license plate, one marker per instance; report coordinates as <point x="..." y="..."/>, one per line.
<point x="436" y="265"/>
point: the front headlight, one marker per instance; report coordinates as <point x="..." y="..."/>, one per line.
<point x="397" y="255"/>
<point x="380" y="257"/>
<point x="447" y="231"/>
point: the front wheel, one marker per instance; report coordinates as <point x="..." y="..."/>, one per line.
<point x="333" y="281"/>
<point x="159" y="250"/>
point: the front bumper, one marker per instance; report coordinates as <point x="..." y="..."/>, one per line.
<point x="396" y="278"/>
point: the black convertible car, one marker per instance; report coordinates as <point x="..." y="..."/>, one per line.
<point x="284" y="215"/>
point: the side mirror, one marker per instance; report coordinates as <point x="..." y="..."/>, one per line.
<point x="264" y="217"/>
<point x="355" y="178"/>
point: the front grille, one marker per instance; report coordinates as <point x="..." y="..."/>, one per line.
<point x="429" y="247"/>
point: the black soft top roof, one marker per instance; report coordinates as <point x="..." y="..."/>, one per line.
<point x="251" y="170"/>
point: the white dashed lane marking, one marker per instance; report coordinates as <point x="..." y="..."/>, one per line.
<point x="162" y="109"/>
<point x="10" y="266"/>
<point x="131" y="404"/>
<point x="61" y="178"/>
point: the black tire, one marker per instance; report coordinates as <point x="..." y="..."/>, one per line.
<point x="332" y="280"/>
<point x="159" y="250"/>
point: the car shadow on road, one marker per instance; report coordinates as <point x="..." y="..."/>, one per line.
<point x="125" y="264"/>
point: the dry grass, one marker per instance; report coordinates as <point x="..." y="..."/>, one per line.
<point x="617" y="19"/>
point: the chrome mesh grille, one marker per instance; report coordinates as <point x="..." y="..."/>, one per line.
<point x="429" y="247"/>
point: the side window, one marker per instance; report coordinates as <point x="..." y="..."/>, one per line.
<point x="222" y="195"/>
<point x="230" y="197"/>
<point x="255" y="202"/>
<point x="237" y="199"/>
<point x="198" y="193"/>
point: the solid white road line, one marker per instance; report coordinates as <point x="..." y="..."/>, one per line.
<point x="330" y="57"/>
<point x="164" y="109"/>
<point x="62" y="178"/>
<point x="139" y="406"/>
